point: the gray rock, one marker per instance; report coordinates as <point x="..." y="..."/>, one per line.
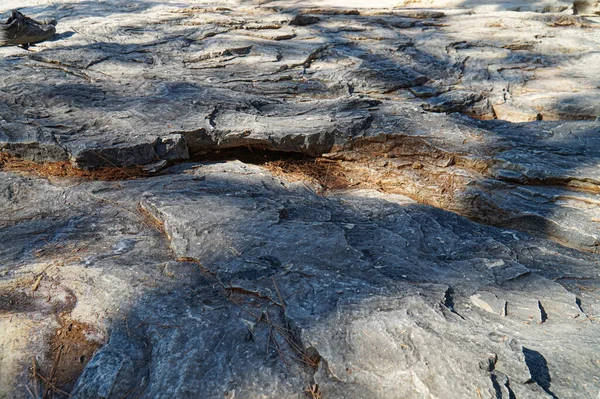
<point x="489" y="302"/>
<point x="227" y="279"/>
<point x="303" y="20"/>
<point x="30" y="142"/>
<point x="424" y="91"/>
<point x="271" y="277"/>
<point x="393" y="306"/>
<point x="453" y="101"/>
<point x="590" y="8"/>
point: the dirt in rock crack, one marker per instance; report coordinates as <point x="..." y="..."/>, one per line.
<point x="71" y="348"/>
<point x="62" y="169"/>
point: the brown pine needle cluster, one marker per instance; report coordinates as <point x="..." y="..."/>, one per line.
<point x="9" y="163"/>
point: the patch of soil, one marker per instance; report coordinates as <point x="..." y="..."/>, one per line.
<point x="14" y="301"/>
<point x="36" y="296"/>
<point x="70" y="349"/>
<point x="327" y="173"/>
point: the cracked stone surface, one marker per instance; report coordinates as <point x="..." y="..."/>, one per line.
<point x="258" y="287"/>
<point x="460" y="260"/>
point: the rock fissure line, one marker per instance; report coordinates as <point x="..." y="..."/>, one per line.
<point x="306" y="355"/>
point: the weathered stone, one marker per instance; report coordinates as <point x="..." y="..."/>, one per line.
<point x="303" y="20"/>
<point x="453" y="101"/>
<point x="227" y="279"/>
<point x="424" y="91"/>
<point x="30" y="142"/>
<point x="586" y="8"/>
<point x="489" y="302"/>
<point x="358" y="261"/>
<point x="374" y="259"/>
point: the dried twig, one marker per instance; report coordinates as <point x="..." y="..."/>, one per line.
<point x="31" y="393"/>
<point x="35" y="383"/>
<point x="50" y="386"/>
<point x="36" y="284"/>
<point x="281" y="301"/>
<point x="277" y="346"/>
<point x="49" y="381"/>
<point x="313" y="391"/>
<point x="127" y="393"/>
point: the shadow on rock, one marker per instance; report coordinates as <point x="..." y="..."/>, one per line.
<point x="538" y="368"/>
<point x="278" y="292"/>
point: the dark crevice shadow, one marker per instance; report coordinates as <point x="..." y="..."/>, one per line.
<point x="496" y="386"/>
<point x="511" y="393"/>
<point x="543" y="314"/>
<point x="61" y="36"/>
<point x="501" y="385"/>
<point x="538" y="368"/>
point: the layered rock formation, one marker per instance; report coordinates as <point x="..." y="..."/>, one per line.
<point x="288" y="199"/>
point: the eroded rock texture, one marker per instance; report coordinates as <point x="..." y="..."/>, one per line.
<point x="441" y="241"/>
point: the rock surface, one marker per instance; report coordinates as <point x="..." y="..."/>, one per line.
<point x="443" y="243"/>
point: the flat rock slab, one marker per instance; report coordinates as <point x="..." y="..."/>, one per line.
<point x="104" y="129"/>
<point x="126" y="85"/>
<point x="290" y="271"/>
<point x="265" y="281"/>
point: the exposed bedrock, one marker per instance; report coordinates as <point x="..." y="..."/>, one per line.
<point x="222" y="276"/>
<point x="292" y="199"/>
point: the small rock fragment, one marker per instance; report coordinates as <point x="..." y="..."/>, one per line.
<point x="304" y="20"/>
